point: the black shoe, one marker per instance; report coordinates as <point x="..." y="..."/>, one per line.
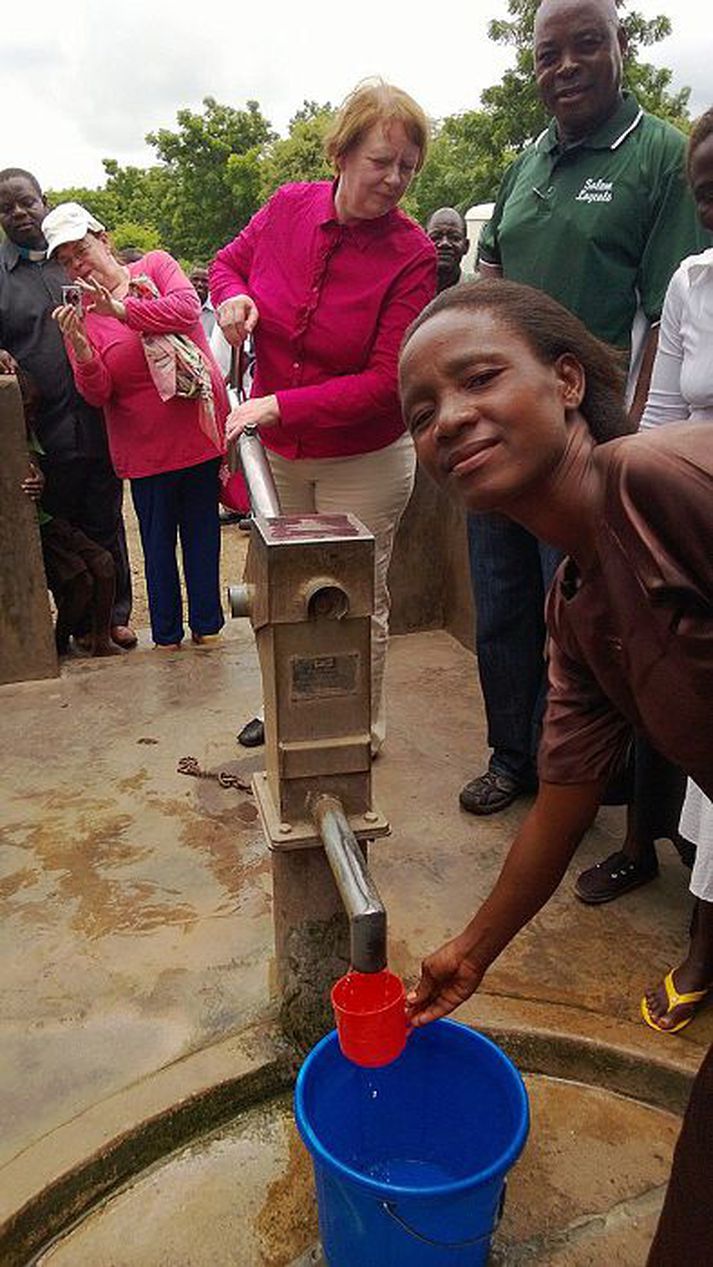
<point x="245" y="523"/>
<point x="614" y="876"/>
<point x="229" y="516"/>
<point x="490" y="793"/>
<point x="252" y="734"/>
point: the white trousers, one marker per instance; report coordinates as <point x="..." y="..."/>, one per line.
<point x="375" y="487"/>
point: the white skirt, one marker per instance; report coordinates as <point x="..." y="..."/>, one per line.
<point x="697" y="826"/>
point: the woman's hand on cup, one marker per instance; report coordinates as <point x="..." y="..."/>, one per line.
<point x="261" y="411"/>
<point x="237" y="318"/>
<point x="448" y="978"/>
<point x="71" y="323"/>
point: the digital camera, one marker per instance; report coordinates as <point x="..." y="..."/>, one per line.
<point x="72" y="296"/>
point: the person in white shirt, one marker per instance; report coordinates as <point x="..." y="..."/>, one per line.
<point x="682" y="381"/>
<point x="682" y="391"/>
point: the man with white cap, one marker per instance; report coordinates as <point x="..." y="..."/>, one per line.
<point x="81" y="486"/>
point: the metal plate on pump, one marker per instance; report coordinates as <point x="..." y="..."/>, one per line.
<point x="324" y="676"/>
<point x="308" y="528"/>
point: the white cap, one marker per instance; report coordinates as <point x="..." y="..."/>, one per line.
<point x="69" y="222"/>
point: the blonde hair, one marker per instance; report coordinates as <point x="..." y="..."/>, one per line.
<point x="374" y="101"/>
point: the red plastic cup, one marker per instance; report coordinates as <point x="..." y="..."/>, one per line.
<point x="370" y="1012"/>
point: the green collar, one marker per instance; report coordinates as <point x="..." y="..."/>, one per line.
<point x="609" y="136"/>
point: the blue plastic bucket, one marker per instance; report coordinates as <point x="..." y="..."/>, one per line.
<point x="410" y="1160"/>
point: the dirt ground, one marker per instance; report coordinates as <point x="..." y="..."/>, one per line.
<point x="234" y="544"/>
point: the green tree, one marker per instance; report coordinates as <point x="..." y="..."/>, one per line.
<point x="143" y="195"/>
<point x="244" y="180"/>
<point x="129" y="233"/>
<point x="138" y="196"/>
<point x="299" y="155"/>
<point x="206" y="181"/>
<point x="100" y="202"/>
<point x="463" y="166"/>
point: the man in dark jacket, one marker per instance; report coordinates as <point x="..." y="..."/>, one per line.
<point x="81" y="486"/>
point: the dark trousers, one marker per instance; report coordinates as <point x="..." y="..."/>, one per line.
<point x="684" y="1237"/>
<point x="511" y="572"/>
<point x="658" y="792"/>
<point x="82" y="578"/>
<point x="87" y="493"/>
<point x="181" y="504"/>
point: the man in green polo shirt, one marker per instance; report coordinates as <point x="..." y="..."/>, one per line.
<point x="597" y="214"/>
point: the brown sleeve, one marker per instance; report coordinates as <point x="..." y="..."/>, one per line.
<point x="663" y="508"/>
<point x="584" y="738"/>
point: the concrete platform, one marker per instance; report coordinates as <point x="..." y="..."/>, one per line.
<point x="136" y="935"/>
<point x="587" y="1191"/>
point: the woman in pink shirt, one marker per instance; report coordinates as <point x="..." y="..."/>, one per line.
<point x="165" y="441"/>
<point x="328" y="276"/>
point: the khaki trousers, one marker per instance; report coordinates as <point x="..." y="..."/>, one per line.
<point x="375" y="487"/>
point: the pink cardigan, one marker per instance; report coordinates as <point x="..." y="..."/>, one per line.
<point x="334" y="303"/>
<point x="148" y="436"/>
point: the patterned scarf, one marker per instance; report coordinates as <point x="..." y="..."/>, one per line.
<point x="178" y="366"/>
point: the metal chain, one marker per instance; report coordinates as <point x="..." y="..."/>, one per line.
<point x="189" y="765"/>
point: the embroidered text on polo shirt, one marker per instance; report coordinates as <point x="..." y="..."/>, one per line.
<point x="596" y="191"/>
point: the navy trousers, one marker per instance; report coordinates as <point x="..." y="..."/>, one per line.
<point x="511" y="572"/>
<point x="168" y="506"/>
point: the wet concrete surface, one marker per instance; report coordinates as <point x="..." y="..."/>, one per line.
<point x="136" y="901"/>
<point x="136" y="929"/>
<point x="586" y="1191"/>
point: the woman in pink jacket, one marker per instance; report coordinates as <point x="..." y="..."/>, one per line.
<point x="329" y="275"/>
<point x="164" y="403"/>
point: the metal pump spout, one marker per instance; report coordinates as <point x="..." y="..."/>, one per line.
<point x="364" y="908"/>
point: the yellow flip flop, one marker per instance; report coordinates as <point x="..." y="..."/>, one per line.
<point x="674" y="1000"/>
